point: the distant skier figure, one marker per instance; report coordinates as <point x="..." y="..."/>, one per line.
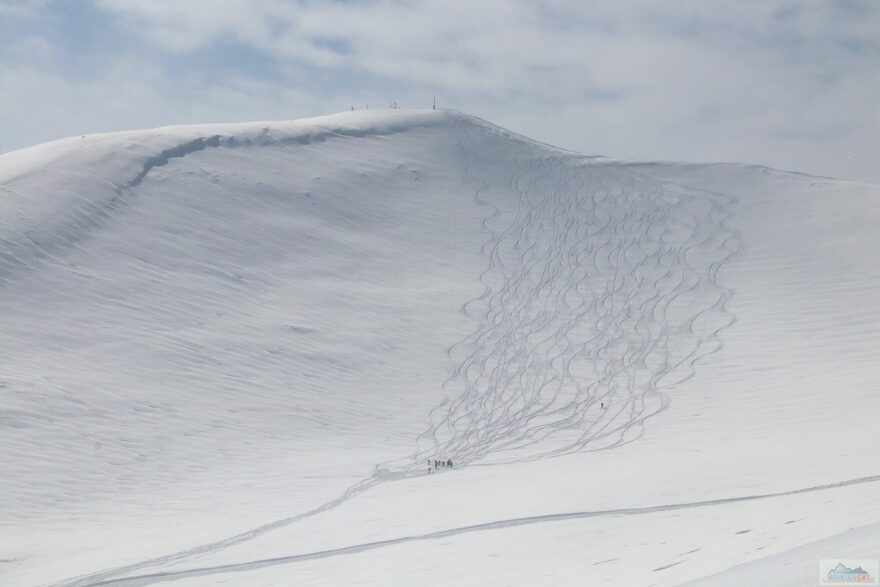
<point x="449" y="463"/>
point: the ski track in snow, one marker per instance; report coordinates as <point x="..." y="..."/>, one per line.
<point x="499" y="524"/>
<point x="593" y="293"/>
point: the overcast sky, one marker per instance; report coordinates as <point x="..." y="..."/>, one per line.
<point x="790" y="84"/>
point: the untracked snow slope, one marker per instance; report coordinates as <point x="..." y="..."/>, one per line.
<point x="232" y="353"/>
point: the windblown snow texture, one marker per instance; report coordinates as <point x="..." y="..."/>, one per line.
<point x="262" y="335"/>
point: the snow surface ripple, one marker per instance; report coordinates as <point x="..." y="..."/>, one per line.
<point x="601" y="289"/>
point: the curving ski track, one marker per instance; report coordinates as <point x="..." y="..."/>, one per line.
<point x="600" y="288"/>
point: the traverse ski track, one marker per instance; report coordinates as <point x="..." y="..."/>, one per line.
<point x="601" y="287"/>
<point x="496" y="525"/>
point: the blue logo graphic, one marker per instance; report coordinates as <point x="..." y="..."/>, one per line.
<point x="843" y="574"/>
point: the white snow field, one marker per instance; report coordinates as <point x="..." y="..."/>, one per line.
<point x="228" y="354"/>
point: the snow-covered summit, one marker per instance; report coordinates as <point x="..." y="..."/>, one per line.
<point x="263" y="335"/>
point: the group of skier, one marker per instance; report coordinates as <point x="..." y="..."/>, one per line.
<point x="439" y="464"/>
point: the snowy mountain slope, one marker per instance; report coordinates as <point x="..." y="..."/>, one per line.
<point x="212" y="335"/>
<point x="799" y="564"/>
